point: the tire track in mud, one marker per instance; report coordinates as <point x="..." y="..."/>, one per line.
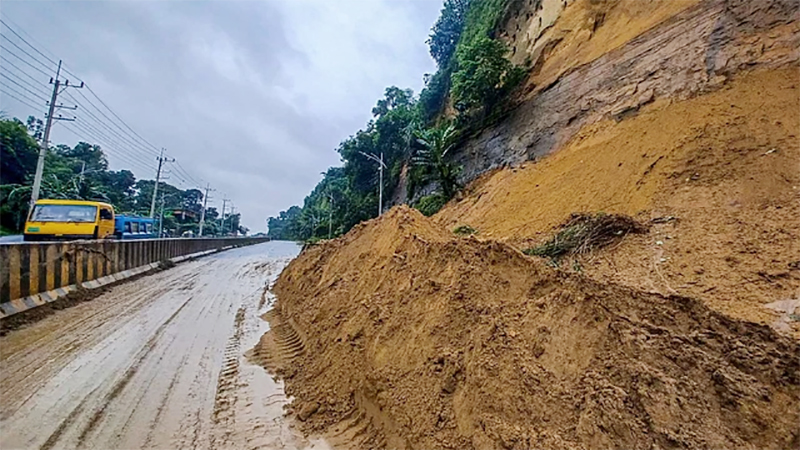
<point x="98" y="414"/>
<point x="59" y="340"/>
<point x="157" y="363"/>
<point x="224" y="412"/>
<point x="279" y="346"/>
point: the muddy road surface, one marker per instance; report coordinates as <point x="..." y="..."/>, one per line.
<point x="156" y="363"/>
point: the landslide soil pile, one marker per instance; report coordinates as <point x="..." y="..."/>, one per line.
<point x="720" y="173"/>
<point x="415" y="338"/>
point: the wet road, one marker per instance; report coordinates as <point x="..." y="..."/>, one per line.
<point x="156" y="363"/>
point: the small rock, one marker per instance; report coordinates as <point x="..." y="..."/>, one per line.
<point x="307" y="411"/>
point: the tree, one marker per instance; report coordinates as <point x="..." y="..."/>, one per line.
<point x="393" y="97"/>
<point x="35" y="128"/>
<point x="18" y="152"/>
<point x="437" y="142"/>
<point x="484" y="75"/>
<point x="447" y="31"/>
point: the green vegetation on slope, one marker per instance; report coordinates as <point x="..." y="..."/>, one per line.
<point x="410" y="132"/>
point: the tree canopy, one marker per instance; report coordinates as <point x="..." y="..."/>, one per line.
<point x="415" y="140"/>
<point x="81" y="173"/>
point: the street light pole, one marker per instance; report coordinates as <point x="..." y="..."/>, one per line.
<point x="381" y="166"/>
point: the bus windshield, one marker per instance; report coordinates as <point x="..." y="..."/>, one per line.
<point x="64" y="213"/>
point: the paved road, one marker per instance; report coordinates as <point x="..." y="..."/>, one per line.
<point x="154" y="363"/>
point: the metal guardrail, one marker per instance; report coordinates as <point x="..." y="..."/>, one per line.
<point x="30" y="273"/>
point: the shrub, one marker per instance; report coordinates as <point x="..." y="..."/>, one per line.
<point x="583" y="233"/>
<point x="484" y="75"/>
<point x="464" y="230"/>
<point x="431" y="204"/>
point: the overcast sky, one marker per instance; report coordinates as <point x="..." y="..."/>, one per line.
<point x="250" y="96"/>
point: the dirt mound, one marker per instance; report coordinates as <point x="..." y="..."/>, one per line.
<point x="723" y="166"/>
<point x="416" y="338"/>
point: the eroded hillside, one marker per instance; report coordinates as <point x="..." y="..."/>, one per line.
<point x="725" y="167"/>
<point x="602" y="60"/>
<point x="682" y="116"/>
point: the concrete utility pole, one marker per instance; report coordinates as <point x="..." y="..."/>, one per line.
<point x="230" y="216"/>
<point x="161" y="161"/>
<point x="203" y="212"/>
<point x="222" y="217"/>
<point x="37" y="179"/>
<point x="161" y="217"/>
<point x="381" y="166"/>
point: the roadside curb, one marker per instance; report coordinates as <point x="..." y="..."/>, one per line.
<point x="32" y="301"/>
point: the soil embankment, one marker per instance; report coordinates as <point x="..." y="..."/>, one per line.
<point x="720" y="171"/>
<point x="419" y="339"/>
<point x="401" y="334"/>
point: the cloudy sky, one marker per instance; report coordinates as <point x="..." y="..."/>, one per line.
<point x="250" y="96"/>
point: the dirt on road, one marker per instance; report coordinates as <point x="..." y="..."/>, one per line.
<point x="411" y="337"/>
<point x="156" y="363"/>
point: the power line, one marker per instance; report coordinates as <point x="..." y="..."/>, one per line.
<point x="18" y="92"/>
<point x="23" y="51"/>
<point x="115" y="137"/>
<point x="23" y="87"/>
<point x="17" y="98"/>
<point x="115" y="115"/>
<point x="79" y="79"/>
<point x="99" y="111"/>
<point x="23" y="60"/>
<point x="43" y="91"/>
<point x="81" y="132"/>
<point x="107" y="127"/>
<point x="187" y="174"/>
<point x="23" y="40"/>
<point x="108" y="142"/>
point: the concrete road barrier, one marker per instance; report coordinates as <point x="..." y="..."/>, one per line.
<point x="33" y="274"/>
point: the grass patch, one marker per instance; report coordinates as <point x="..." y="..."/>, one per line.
<point x="431" y="204"/>
<point x="464" y="230"/>
<point x="583" y="233"/>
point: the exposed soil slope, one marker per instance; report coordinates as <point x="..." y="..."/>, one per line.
<point x="726" y="165"/>
<point x="432" y="341"/>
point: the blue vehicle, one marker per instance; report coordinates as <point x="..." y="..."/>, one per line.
<point x="133" y="227"/>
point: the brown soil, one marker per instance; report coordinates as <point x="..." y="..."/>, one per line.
<point x="583" y="32"/>
<point x="419" y="339"/>
<point x="721" y="170"/>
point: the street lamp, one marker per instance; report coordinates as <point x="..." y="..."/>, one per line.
<point x="381" y="166"/>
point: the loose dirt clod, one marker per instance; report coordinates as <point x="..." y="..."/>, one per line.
<point x="419" y="339"/>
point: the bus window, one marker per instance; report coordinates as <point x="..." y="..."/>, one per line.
<point x="145" y="227"/>
<point x="106" y="214"/>
<point x="127" y="227"/>
<point x="63" y="213"/>
<point x="134" y="227"/>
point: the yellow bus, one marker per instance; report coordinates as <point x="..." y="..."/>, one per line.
<point x="69" y="219"/>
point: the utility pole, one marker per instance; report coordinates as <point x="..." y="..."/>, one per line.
<point x="161" y="217"/>
<point x="230" y="216"/>
<point x="161" y="161"/>
<point x="381" y="166"/>
<point x="222" y="217"/>
<point x="37" y="180"/>
<point x="203" y="212"/>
